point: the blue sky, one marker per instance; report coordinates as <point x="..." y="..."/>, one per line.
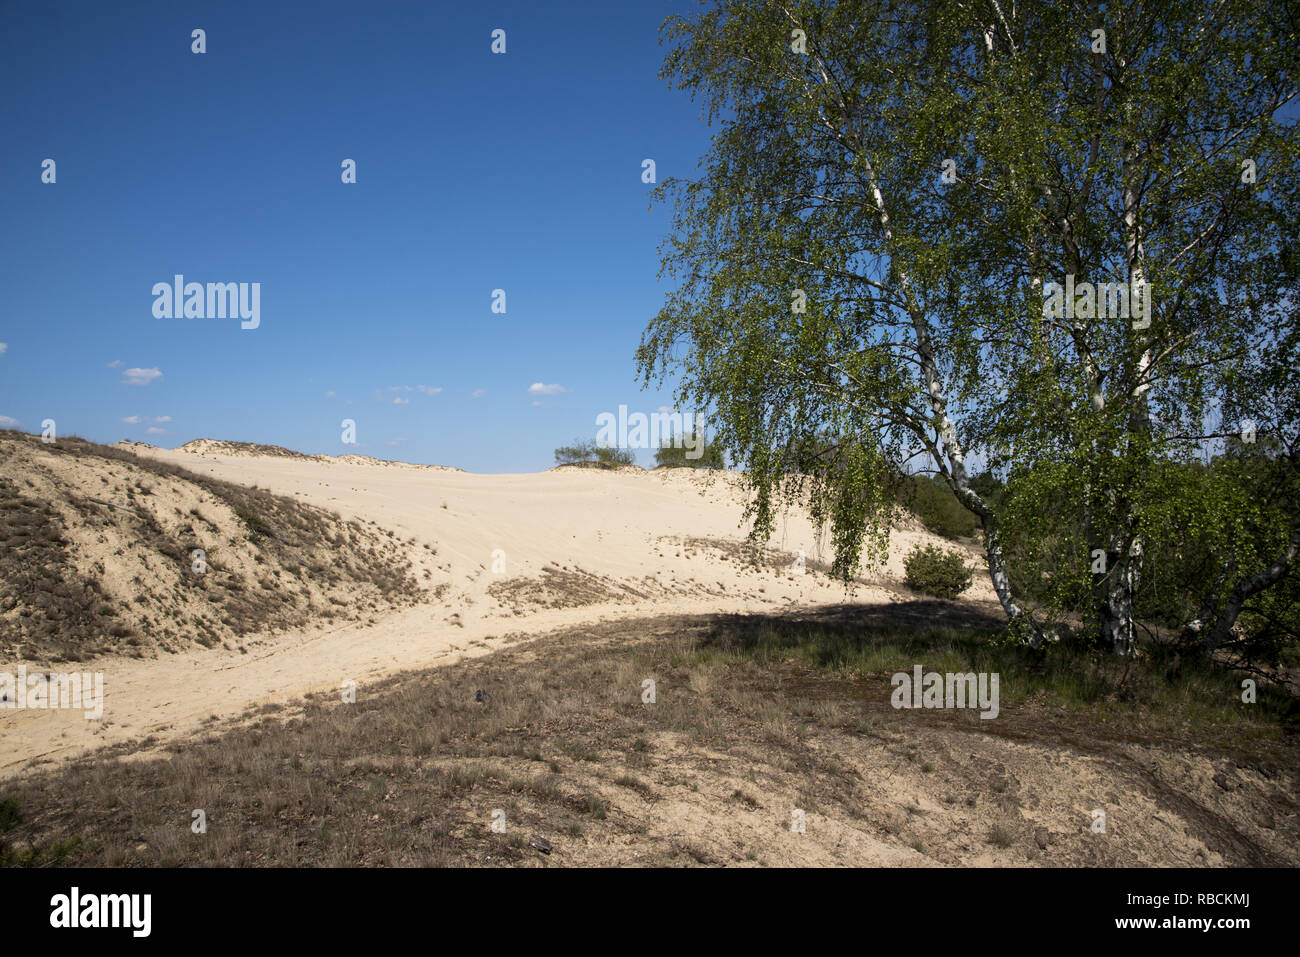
<point x="475" y="172"/>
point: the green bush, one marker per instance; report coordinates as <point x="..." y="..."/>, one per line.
<point x="589" y="453"/>
<point x="676" y="456"/>
<point x="932" y="571"/>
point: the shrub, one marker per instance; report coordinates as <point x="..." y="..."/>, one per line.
<point x="589" y="453"/>
<point x="675" y="456"/>
<point x="932" y="571"/>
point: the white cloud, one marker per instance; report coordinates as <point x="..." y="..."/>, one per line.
<point x="477" y="393"/>
<point x="429" y="390"/>
<point x="8" y="423"/>
<point x="140" y="376"/>
<point x="163" y="418"/>
<point x="541" y="388"/>
<point x="535" y="403"/>
<point x="400" y="401"/>
<point x="329" y="394"/>
<point x="4" y="347"/>
<point x="132" y="420"/>
<point x="154" y="430"/>
<point x="115" y="363"/>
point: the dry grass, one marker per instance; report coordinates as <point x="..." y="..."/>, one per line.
<point x="223" y="447"/>
<point x="749" y="722"/>
<point x="560" y="587"/>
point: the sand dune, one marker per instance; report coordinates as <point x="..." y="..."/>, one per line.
<point x="501" y="557"/>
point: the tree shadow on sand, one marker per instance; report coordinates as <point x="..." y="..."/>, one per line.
<point x="903" y="622"/>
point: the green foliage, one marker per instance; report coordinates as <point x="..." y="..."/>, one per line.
<point x="933" y="502"/>
<point x="1208" y="526"/>
<point x="708" y="455"/>
<point x="843" y="309"/>
<point x="589" y="453"/>
<point x="932" y="571"/>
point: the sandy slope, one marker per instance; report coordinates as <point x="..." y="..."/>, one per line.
<point x="579" y="546"/>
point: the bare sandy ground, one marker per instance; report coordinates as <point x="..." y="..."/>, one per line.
<point x="630" y="539"/>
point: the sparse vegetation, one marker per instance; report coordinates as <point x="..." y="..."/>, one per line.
<point x="58" y="604"/>
<point x="558" y="587"/>
<point x="322" y="783"/>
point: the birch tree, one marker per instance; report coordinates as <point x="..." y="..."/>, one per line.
<point x="1036" y="236"/>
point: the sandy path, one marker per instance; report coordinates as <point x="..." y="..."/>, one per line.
<point x="606" y="523"/>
